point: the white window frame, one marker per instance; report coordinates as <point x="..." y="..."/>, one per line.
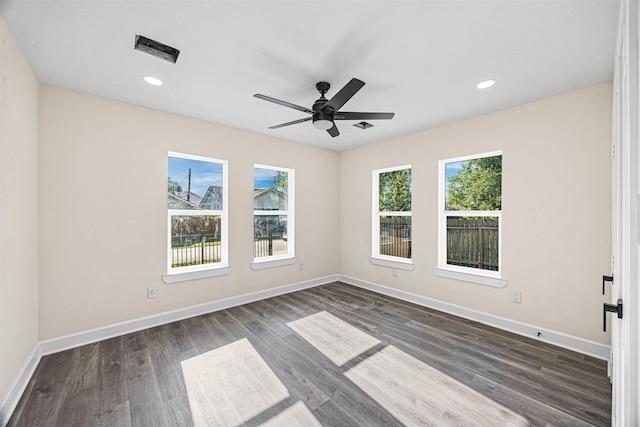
<point x="376" y="257"/>
<point x="470" y="274"/>
<point x="288" y="258"/>
<point x="178" y="274"/>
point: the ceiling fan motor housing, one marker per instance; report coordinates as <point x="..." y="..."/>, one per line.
<point x="319" y="104"/>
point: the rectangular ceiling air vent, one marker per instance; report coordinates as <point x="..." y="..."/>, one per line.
<point x="363" y="125"/>
<point x="156" y="49"/>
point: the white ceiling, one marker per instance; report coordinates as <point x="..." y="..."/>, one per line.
<point x="419" y="59"/>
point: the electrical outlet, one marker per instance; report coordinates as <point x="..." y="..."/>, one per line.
<point x="516" y="296"/>
<point x="151" y="292"/>
<point x="301" y="266"/>
<point x="394" y="272"/>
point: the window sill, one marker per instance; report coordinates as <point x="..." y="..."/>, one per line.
<point x="409" y="266"/>
<point x="193" y="275"/>
<point x="473" y="278"/>
<point x="260" y="265"/>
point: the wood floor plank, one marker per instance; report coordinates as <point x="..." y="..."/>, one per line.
<point x="145" y="402"/>
<point x="451" y="355"/>
<point x="295" y="415"/>
<point x="420" y="395"/>
<point x="333" y="337"/>
<point x="455" y="371"/>
<point x="271" y="346"/>
<point x="231" y="385"/>
<point x="112" y="386"/>
<point x="164" y="349"/>
<point x="80" y="406"/>
<point x="331" y="414"/>
<point x="535" y="411"/>
<point x="47" y="395"/>
<point x="178" y="412"/>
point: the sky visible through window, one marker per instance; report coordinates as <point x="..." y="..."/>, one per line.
<point x="453" y="168"/>
<point x="263" y="178"/>
<point x="203" y="174"/>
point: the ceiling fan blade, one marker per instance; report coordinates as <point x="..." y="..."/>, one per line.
<point x="348" y="115"/>
<point x="295" y="122"/>
<point x="333" y="131"/>
<point x="343" y="95"/>
<point x="283" y="103"/>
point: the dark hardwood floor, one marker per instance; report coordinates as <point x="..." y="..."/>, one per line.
<point x="424" y="368"/>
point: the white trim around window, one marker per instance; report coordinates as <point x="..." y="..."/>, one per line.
<point x="207" y="180"/>
<point x="459" y="272"/>
<point x="400" y="239"/>
<point x="282" y="207"/>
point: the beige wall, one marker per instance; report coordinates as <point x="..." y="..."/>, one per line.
<point x="18" y="210"/>
<point x="102" y="240"/>
<point x="103" y="200"/>
<point x="556" y="210"/>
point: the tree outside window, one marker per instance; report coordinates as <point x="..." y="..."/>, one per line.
<point x="392" y="214"/>
<point x="471" y="213"/>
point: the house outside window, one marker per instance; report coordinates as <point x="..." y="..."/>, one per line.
<point x="273" y="213"/>
<point x="197" y="214"/>
<point x="470" y="214"/>
<point x="391" y="231"/>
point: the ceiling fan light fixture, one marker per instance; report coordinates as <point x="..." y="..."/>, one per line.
<point x="323" y="124"/>
<point x="322" y="121"/>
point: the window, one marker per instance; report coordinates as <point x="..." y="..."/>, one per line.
<point x="470" y="202"/>
<point x="197" y="214"/>
<point x="273" y="215"/>
<point x="391" y="237"/>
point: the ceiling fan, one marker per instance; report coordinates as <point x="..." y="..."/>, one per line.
<point x="324" y="112"/>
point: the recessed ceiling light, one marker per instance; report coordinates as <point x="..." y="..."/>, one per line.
<point x="485" y="84"/>
<point x="152" y="80"/>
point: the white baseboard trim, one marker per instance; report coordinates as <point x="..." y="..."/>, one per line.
<point x="560" y="339"/>
<point x="58" y="344"/>
<point x="10" y="400"/>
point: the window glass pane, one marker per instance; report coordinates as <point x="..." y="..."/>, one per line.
<point x="473" y="242"/>
<point x="474" y="185"/>
<point x="395" y="236"/>
<point x="270" y="190"/>
<point x="195" y="240"/>
<point x="270" y="235"/>
<point x="194" y="184"/>
<point x="395" y="191"/>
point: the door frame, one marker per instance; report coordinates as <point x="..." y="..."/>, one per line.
<point x="625" y="333"/>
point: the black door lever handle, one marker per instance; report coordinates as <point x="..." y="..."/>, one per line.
<point x="606" y="279"/>
<point x="613" y="308"/>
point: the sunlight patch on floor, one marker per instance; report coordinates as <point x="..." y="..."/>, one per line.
<point x="417" y="394"/>
<point x="334" y="338"/>
<point x="230" y="385"/>
<point x="295" y="415"/>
